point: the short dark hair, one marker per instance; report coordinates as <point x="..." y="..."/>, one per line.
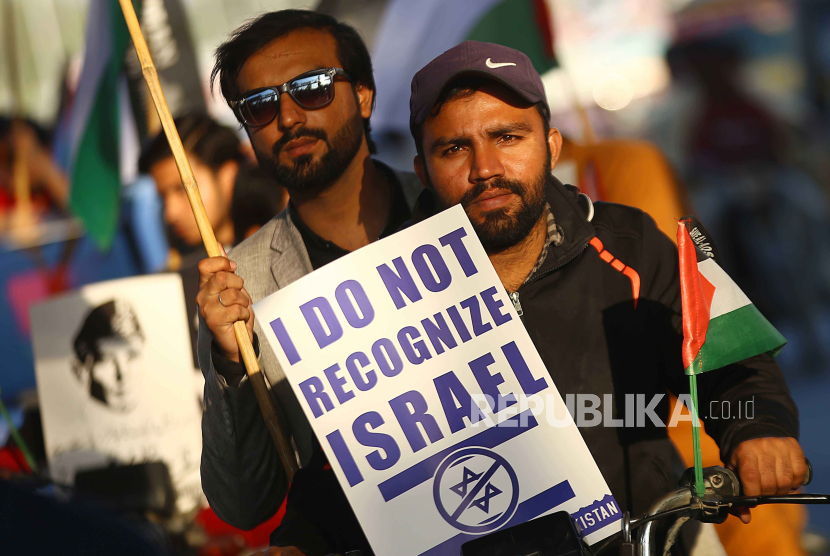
<point x="114" y="319"/>
<point x="463" y="87"/>
<point x="259" y="32"/>
<point x="211" y="142"/>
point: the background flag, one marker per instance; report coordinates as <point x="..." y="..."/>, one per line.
<point x="100" y="138"/>
<point x="411" y="34"/>
<point x="721" y="325"/>
<point x="167" y="33"/>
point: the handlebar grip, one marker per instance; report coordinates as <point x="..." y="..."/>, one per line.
<point x="809" y="477"/>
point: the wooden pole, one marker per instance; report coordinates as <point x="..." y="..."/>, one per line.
<point x="286" y="453"/>
<point x="23" y="220"/>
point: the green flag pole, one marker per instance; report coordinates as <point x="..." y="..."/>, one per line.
<point x="18" y="439"/>
<point x="700" y="487"/>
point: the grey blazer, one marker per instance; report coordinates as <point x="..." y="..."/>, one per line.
<point x="242" y="475"/>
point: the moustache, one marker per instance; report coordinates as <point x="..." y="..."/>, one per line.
<point x="513" y="186"/>
<point x="290" y="135"/>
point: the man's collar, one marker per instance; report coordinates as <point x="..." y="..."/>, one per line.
<point x="572" y="219"/>
<point x="553" y="236"/>
<point x="290" y="215"/>
<point x="405" y="183"/>
<point x="307" y="233"/>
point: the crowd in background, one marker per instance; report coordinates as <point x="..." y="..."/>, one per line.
<point x="736" y="133"/>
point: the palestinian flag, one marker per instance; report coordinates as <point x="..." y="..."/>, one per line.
<point x="411" y="34"/>
<point x="100" y="140"/>
<point x="721" y="326"/>
<point x="521" y="24"/>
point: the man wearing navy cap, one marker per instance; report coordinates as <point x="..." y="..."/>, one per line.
<point x="596" y="285"/>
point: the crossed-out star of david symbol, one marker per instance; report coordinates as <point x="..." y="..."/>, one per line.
<point x="474" y="504"/>
<point x="467" y="478"/>
<point x="490" y="491"/>
<point x="483" y="503"/>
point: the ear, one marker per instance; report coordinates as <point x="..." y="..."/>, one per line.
<point x="421" y="171"/>
<point x="79" y="369"/>
<point x="365" y="97"/>
<point x="226" y="178"/>
<point x="85" y="370"/>
<point x="555" y="144"/>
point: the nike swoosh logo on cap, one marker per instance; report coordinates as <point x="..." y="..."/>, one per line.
<point x="493" y="65"/>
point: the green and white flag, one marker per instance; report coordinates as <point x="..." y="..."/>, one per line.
<point x="411" y="34"/>
<point x="102" y="139"/>
<point x="721" y="325"/>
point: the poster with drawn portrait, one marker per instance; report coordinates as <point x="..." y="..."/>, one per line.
<point x="114" y="376"/>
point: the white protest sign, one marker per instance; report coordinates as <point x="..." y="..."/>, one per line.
<point x="392" y="352"/>
<point x="114" y="379"/>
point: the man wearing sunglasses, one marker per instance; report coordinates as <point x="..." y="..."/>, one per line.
<point x="301" y="85"/>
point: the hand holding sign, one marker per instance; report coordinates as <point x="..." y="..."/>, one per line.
<point x="422" y="385"/>
<point x="222" y="301"/>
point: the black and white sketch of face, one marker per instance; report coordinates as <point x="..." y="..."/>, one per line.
<point x="109" y="349"/>
<point x="115" y="377"/>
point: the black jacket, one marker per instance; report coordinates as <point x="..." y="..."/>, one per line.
<point x="580" y="311"/>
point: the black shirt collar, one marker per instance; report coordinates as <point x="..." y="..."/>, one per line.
<point x="321" y="251"/>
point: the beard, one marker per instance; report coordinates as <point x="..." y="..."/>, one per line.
<point x="506" y="226"/>
<point x="308" y="174"/>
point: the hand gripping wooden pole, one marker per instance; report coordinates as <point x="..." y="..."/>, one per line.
<point x="286" y="453"/>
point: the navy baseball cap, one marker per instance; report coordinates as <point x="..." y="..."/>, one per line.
<point x="502" y="64"/>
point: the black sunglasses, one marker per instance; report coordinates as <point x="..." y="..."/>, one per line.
<point x="310" y="90"/>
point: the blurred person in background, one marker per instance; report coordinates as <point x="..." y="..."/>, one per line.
<point x="732" y="128"/>
<point x="23" y="148"/>
<point x="216" y="155"/>
<point x="301" y="84"/>
<point x="223" y="174"/>
<point x="766" y="208"/>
